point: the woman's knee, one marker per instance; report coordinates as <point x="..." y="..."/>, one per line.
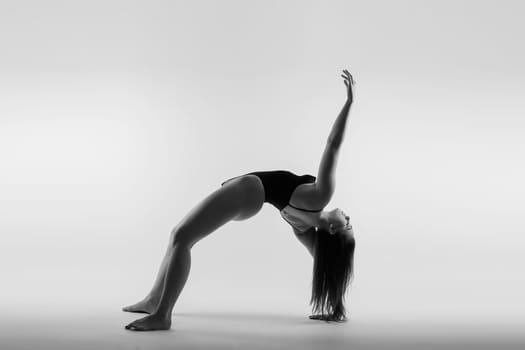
<point x="181" y="236"/>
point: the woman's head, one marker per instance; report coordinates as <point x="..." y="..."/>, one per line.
<point x="335" y="221"/>
<point x="333" y="266"/>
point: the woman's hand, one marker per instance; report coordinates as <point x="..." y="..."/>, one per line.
<point x="350" y="83"/>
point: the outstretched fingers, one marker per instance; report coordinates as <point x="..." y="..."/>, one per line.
<point x="348" y="76"/>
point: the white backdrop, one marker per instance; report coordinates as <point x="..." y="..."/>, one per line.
<point x="117" y="117"/>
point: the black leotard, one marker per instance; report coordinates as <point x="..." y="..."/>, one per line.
<point x="279" y="186"/>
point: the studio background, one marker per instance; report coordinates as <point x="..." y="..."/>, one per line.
<point x="117" y="117"/>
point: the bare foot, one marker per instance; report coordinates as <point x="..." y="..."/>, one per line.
<point x="146" y="306"/>
<point x="150" y="323"/>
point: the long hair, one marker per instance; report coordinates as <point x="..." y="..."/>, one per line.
<point x="332" y="273"/>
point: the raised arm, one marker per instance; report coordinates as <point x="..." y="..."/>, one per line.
<point x="325" y="184"/>
<point x="338" y="129"/>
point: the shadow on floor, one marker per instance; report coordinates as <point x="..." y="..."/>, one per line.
<point x="233" y="330"/>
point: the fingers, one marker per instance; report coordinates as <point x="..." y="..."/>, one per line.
<point x="348" y="76"/>
<point x="315" y="317"/>
<point x="321" y="317"/>
<point x="347" y="80"/>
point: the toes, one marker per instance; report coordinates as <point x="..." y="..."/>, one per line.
<point x="133" y="327"/>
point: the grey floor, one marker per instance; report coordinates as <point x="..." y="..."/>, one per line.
<point x="104" y="329"/>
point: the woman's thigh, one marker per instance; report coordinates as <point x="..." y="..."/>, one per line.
<point x="239" y="199"/>
<point x="253" y="190"/>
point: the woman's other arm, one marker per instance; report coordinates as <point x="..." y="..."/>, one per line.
<point x="307" y="238"/>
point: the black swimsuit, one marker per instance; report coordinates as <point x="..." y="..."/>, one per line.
<point x="279" y="186"/>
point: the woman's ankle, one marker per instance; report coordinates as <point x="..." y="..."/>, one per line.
<point x="163" y="315"/>
<point x="152" y="298"/>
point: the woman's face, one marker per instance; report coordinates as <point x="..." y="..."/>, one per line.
<point x="339" y="222"/>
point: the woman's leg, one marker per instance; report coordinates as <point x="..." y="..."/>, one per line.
<point x="149" y="304"/>
<point x="239" y="200"/>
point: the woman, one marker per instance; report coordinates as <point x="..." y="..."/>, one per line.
<point x="327" y="235"/>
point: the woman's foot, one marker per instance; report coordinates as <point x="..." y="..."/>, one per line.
<point x="150" y="323"/>
<point x="146" y="306"/>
